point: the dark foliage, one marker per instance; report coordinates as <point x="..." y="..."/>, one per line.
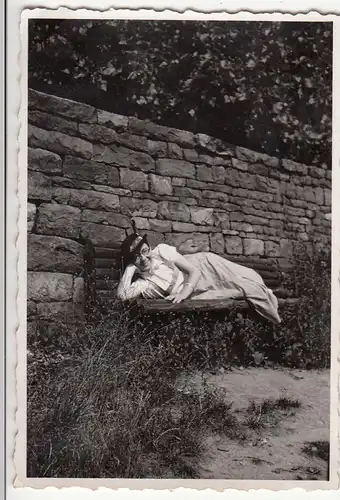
<point x="263" y="85"/>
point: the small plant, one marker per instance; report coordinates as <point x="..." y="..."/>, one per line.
<point x="270" y="412"/>
<point x="284" y="403"/>
<point x="317" y="449"/>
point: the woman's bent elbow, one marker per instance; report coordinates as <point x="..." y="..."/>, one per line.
<point x="121" y="295"/>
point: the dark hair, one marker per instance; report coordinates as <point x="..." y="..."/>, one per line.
<point x="126" y="256"/>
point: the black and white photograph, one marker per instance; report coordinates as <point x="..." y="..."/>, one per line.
<point x="179" y="249"/>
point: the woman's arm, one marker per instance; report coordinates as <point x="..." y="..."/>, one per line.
<point x="192" y="274"/>
<point x="127" y="290"/>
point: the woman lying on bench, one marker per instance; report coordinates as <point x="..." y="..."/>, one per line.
<point x="162" y="272"/>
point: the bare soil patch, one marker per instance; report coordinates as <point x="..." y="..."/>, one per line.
<point x="280" y="443"/>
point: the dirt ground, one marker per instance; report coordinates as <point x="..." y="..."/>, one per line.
<point x="272" y="452"/>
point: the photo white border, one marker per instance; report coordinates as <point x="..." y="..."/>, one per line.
<point x="21" y="266"/>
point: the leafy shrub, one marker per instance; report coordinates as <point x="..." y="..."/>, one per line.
<point x="310" y="319"/>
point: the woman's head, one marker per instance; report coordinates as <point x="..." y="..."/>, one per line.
<point x="136" y="250"/>
<point x="142" y="256"/>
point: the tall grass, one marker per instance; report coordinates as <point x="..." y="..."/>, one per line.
<point x="113" y="409"/>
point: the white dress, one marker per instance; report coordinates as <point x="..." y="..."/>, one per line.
<point x="218" y="279"/>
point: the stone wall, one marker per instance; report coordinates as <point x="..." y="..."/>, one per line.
<point x="90" y="170"/>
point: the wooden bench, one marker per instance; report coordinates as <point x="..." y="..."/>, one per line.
<point x="102" y="267"/>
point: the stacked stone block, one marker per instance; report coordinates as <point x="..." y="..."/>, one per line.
<point x="90" y="170"/>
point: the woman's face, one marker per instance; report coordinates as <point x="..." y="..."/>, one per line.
<point x="143" y="259"/>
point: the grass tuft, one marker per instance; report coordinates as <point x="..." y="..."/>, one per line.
<point x="270" y="412"/>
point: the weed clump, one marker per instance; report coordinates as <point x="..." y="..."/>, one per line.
<point x="318" y="449"/>
<point x="270" y="412"/>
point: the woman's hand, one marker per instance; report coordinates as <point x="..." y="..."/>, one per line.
<point x="131" y="269"/>
<point x="176" y="298"/>
<point x="179" y="297"/>
<point x="193" y="275"/>
<point x="124" y="286"/>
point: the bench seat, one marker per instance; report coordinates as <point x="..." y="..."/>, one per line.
<point x="161" y="305"/>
